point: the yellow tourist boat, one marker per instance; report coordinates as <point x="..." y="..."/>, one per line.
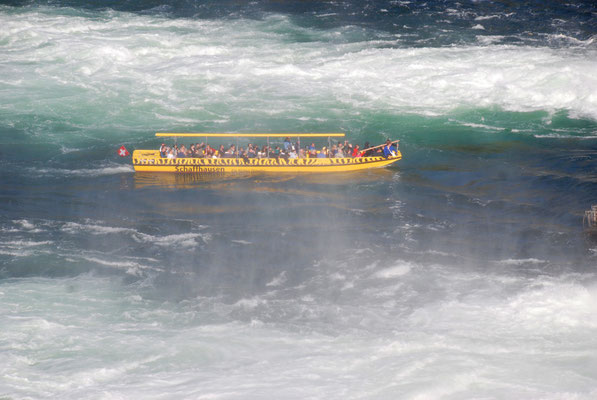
<point x="153" y="161"/>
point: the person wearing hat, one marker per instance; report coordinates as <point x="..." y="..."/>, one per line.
<point x="388" y="149"/>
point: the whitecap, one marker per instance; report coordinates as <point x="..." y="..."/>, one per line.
<point x="279" y="280"/>
<point x="16" y="253"/>
<point x="486" y="17"/>
<point x="24" y="223"/>
<point x="93" y="228"/>
<point x="243" y="242"/>
<point x="521" y="261"/>
<point x="101" y="171"/>
<point x="560" y="136"/>
<point x="25" y="243"/>
<point x="393" y="272"/>
<point x="249" y="303"/>
<point x="475" y="125"/>
<point x="130" y="267"/>
<point x="488" y="40"/>
<point x="182" y="240"/>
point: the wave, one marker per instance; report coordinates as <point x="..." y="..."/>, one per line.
<point x="181" y="240"/>
<point x="561" y="136"/>
<point x="393" y="272"/>
<point x="415" y="332"/>
<point x="29" y="247"/>
<point x="130" y="267"/>
<point x="126" y="70"/>
<point x="112" y="169"/>
<point x="524" y="261"/>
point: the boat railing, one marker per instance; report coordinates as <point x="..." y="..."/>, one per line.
<point x="267" y="137"/>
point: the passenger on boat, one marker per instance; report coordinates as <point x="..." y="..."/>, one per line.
<point x="251" y="153"/>
<point x="209" y="152"/>
<point x="243" y="154"/>
<point x="204" y="152"/>
<point x="366" y="151"/>
<point x="198" y="150"/>
<point x="312" y="151"/>
<point x="347" y="150"/>
<point x="333" y="151"/>
<point x="230" y="152"/>
<point x="288" y="150"/>
<point x="388" y="149"/>
<point x="292" y="153"/>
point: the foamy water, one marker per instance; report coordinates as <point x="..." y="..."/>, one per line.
<point x="151" y="71"/>
<point x="421" y="331"/>
<point x="463" y="272"/>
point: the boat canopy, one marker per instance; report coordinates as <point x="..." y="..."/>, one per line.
<point x="160" y="134"/>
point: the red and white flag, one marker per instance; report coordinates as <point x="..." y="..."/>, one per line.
<point x="123" y="152"/>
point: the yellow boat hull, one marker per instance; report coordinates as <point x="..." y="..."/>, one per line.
<point x="150" y="161"/>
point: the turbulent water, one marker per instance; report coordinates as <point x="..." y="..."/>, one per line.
<point x="461" y="272"/>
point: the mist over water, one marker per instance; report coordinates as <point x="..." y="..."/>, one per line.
<point x="461" y="272"/>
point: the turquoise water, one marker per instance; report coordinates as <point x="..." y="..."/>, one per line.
<point x="461" y="272"/>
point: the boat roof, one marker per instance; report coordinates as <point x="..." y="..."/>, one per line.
<point x="161" y="134"/>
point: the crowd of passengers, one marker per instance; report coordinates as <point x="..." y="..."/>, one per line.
<point x="287" y="151"/>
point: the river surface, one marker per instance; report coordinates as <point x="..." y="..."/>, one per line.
<point x="460" y="272"/>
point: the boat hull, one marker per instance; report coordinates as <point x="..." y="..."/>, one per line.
<point x="150" y="161"/>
